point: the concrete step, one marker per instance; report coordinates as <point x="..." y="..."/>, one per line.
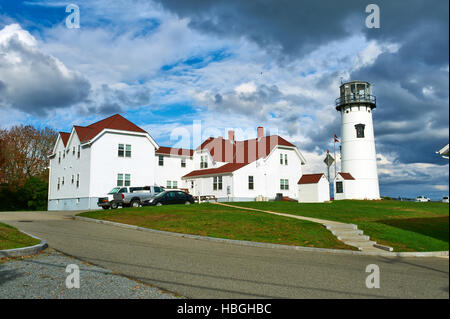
<point x="360" y="243"/>
<point x="342" y="227"/>
<point x="346" y="232"/>
<point x="344" y="237"/>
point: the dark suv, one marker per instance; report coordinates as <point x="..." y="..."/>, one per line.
<point x="169" y="197"/>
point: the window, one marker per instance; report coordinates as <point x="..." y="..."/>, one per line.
<point x="78" y="180"/>
<point x="339" y="188"/>
<point x="127" y="179"/>
<point x="79" y="150"/>
<point x="281" y="159"/>
<point x="73" y="178"/>
<point x="73" y="151"/>
<point x="119" y="179"/>
<point x="174" y="184"/>
<point x="192" y="184"/>
<point x="183" y="162"/>
<point x="161" y="160"/>
<point x="284" y="184"/>
<point x="250" y="182"/>
<point x="128" y="150"/>
<point x="62" y="181"/>
<point x="78" y="200"/>
<point x="169" y="184"/>
<point x="59" y="157"/>
<point x="64" y="154"/>
<point x="121" y="150"/>
<point x="285" y="159"/>
<point x="360" y="130"/>
<point x="217" y="183"/>
<point x="203" y="162"/>
<point x="58" y="183"/>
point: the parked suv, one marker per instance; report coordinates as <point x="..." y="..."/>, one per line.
<point x="168" y="197"/>
<point x="422" y="199"/>
<point x="135" y="196"/>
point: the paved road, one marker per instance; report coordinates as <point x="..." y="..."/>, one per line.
<point x="203" y="269"/>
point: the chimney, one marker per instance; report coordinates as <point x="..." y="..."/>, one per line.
<point x="260" y="132"/>
<point x="231" y="135"/>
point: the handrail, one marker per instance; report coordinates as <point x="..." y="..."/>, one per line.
<point x="356" y="98"/>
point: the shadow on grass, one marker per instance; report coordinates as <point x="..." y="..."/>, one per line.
<point x="436" y="227"/>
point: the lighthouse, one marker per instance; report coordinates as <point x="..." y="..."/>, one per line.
<point x="358" y="178"/>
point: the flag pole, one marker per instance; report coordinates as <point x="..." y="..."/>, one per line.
<point x="335" y="159"/>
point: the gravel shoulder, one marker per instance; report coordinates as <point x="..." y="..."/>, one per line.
<point x="43" y="276"/>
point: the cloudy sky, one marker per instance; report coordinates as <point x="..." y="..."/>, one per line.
<point x="231" y="64"/>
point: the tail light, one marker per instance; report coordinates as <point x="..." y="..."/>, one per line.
<point x="123" y="196"/>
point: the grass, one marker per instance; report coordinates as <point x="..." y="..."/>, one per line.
<point x="224" y="222"/>
<point x="11" y="238"/>
<point x="405" y="226"/>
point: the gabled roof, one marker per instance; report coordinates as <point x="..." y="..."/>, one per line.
<point x="64" y="137"/>
<point x="174" y="151"/>
<point x="115" y="122"/>
<point x="248" y="151"/>
<point x="310" y="178"/>
<point x="346" y="176"/>
<point x="224" y="169"/>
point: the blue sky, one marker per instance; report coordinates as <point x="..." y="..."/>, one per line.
<point x="237" y="65"/>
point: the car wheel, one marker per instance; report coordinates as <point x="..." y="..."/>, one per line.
<point x="187" y="203"/>
<point x="135" y="203"/>
<point x="158" y="204"/>
<point x="105" y="207"/>
<point x="114" y="205"/>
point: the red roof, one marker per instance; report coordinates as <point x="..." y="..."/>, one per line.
<point x="248" y="151"/>
<point x="64" y="137"/>
<point x="115" y="122"/>
<point x="310" y="178"/>
<point x="346" y="176"/>
<point x="227" y="168"/>
<point x="175" y="151"/>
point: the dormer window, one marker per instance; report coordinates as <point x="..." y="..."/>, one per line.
<point x="203" y="162"/>
<point x="360" y="130"/>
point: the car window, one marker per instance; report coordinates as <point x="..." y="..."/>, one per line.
<point x="181" y="195"/>
<point x="158" y="189"/>
<point x="114" y="190"/>
<point x="123" y="190"/>
<point x="170" y="194"/>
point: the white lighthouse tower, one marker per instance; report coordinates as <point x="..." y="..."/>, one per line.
<point x="358" y="155"/>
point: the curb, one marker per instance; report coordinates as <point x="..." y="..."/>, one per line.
<point x="267" y="245"/>
<point x="24" y="251"/>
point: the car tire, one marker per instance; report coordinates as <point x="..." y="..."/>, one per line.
<point x="159" y="204"/>
<point x="135" y="203"/>
<point x="187" y="203"/>
<point x="114" y="205"/>
<point x="105" y="207"/>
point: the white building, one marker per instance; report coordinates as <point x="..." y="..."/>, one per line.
<point x="90" y="160"/>
<point x="171" y="164"/>
<point x="358" y="155"/>
<point x="313" y="188"/>
<point x="243" y="170"/>
<point x="345" y="186"/>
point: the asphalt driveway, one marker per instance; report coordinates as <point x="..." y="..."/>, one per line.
<point x="203" y="269"/>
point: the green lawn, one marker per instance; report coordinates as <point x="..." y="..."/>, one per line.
<point x="405" y="226"/>
<point x="11" y="238"/>
<point x="223" y="222"/>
